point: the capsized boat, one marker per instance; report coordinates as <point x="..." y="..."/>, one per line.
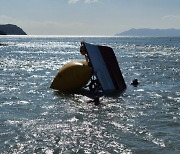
<point x="100" y="72"/>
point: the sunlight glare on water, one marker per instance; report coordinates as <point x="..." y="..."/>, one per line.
<point x="37" y="119"/>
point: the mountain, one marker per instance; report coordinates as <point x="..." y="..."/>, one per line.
<point x="150" y="32"/>
<point x="2" y="32"/>
<point x="10" y="29"/>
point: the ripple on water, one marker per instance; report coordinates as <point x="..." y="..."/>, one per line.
<point x="35" y="119"/>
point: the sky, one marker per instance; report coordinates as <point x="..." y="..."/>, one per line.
<point x="89" y="17"/>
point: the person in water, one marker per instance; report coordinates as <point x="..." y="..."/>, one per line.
<point x="95" y="101"/>
<point x="135" y="82"/>
<point x="83" y="51"/>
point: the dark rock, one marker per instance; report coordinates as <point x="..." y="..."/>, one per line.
<point x="3" y="44"/>
<point x="2" y="32"/>
<point x="10" y="29"/>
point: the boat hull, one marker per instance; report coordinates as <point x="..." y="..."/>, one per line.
<point x="72" y="76"/>
<point x="106" y="68"/>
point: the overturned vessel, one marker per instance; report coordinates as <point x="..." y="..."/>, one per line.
<point x="99" y="72"/>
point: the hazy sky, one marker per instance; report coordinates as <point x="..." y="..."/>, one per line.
<point x="89" y="17"/>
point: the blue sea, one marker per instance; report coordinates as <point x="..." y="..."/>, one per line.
<point x="36" y="119"/>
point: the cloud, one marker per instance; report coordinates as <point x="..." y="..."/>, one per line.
<point x="171" y="17"/>
<point x="73" y="1"/>
<point x="91" y="1"/>
<point x="5" y="19"/>
<point x="85" y="1"/>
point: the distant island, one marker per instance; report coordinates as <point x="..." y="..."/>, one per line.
<point x="151" y="32"/>
<point x="2" y="32"/>
<point x="10" y="29"/>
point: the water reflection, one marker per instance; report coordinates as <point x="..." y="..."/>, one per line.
<point x="35" y="119"/>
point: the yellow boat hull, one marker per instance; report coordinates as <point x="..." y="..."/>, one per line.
<point x="72" y="76"/>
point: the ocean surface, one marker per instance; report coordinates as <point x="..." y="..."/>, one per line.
<point x="36" y="119"/>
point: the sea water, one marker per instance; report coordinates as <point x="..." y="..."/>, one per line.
<point x="37" y="119"/>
